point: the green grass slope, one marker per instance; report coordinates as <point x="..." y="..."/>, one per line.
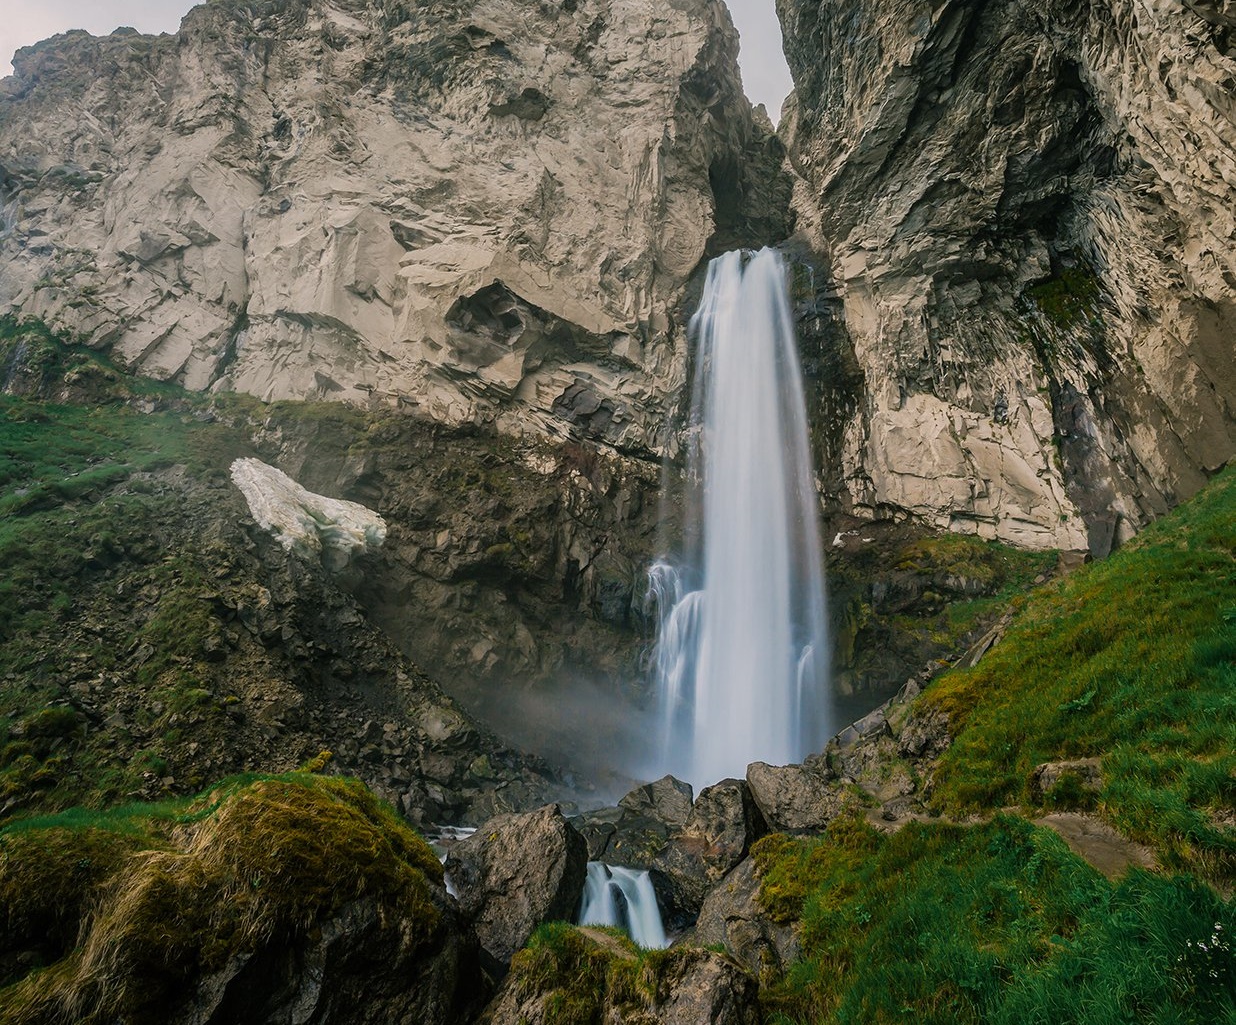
<point x="1132" y="660"/>
<point x="990" y="919"/>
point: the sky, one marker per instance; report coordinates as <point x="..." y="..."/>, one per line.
<point x="22" y="22"/>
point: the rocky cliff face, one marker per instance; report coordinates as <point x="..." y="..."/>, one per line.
<point x="485" y="211"/>
<point x="1026" y="210"/>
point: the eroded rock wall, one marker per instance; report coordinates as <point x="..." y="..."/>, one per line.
<point x="1026" y="214"/>
<point x="481" y="209"/>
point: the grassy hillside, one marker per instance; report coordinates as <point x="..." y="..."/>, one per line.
<point x="1131" y="661"/>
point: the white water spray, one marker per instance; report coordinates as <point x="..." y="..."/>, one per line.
<point x="623" y="897"/>
<point x="740" y="660"/>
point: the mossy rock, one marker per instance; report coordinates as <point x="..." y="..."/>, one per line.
<point x="122" y="915"/>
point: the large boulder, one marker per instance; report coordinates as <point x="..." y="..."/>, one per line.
<point x="666" y="800"/>
<point x="794" y="798"/>
<point x="732" y="916"/>
<point x="723" y="825"/>
<point x="516" y="872"/>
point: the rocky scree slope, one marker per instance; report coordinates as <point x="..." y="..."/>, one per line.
<point x="1025" y="211"/>
<point x="486" y="211"/>
<point x="155" y="638"/>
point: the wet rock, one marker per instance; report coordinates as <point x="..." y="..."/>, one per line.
<point x="732" y="916"/>
<point x="794" y="798"/>
<point x="516" y="872"/>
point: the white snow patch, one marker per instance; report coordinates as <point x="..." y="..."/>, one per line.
<point x="301" y="520"/>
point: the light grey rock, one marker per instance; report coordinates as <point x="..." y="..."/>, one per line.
<point x="483" y="212"/>
<point x="1028" y="216"/>
<point x="794" y="798"/>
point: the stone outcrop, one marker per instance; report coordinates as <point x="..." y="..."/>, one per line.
<point x="597" y="978"/>
<point x="1025" y="213"/>
<point x="733" y="917"/>
<point x="516" y="872"/>
<point x="480" y="210"/>
<point x="794" y="798"/>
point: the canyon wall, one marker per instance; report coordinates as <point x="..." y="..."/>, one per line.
<point x="479" y="211"/>
<point x="1026" y="215"/>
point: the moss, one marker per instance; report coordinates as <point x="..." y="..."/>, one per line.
<point x="168" y="891"/>
<point x="1129" y="659"/>
<point x="997" y="923"/>
<point x="1069" y="299"/>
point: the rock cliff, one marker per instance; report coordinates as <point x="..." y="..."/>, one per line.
<point x="484" y="211"/>
<point x="1026" y="212"/>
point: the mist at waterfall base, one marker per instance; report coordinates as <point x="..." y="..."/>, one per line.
<point x="740" y="660"/>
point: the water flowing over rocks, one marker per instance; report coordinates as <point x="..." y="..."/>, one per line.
<point x="483" y="211"/>
<point x="1026" y="211"/>
<point x="516" y="872"/>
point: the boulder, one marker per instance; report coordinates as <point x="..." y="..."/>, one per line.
<point x="794" y="798"/>
<point x="723" y="825"/>
<point x="732" y="916"/>
<point x="516" y="872"/>
<point x="667" y="800"/>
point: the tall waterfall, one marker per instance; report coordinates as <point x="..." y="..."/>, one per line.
<point x="623" y="897"/>
<point x="741" y="657"/>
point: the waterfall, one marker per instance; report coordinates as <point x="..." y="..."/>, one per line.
<point x="623" y="897"/>
<point x="740" y="660"/>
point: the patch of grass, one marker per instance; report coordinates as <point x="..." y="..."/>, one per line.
<point x="997" y="923"/>
<point x="1068" y="299"/>
<point x="155" y="894"/>
<point x="1132" y="659"/>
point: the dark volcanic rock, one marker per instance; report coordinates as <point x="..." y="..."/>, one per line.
<point x="516" y="872"/>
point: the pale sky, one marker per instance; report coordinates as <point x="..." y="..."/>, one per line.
<point x="22" y="22"/>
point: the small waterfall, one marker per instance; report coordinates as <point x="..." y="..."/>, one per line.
<point x="739" y="663"/>
<point x="623" y="897"/>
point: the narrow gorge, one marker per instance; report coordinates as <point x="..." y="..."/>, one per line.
<point x="424" y="424"/>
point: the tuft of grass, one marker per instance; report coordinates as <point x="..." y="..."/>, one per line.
<point x="994" y="923"/>
<point x="1131" y="659"/>
<point x="128" y="905"/>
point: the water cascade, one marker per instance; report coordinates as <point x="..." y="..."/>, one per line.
<point x="623" y="897"/>
<point x="740" y="660"/>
